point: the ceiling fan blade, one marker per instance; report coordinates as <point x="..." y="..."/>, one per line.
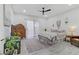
<point x="40" y="11"/>
<point x="48" y="10"/>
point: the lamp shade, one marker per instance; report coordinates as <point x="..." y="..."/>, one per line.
<point x="72" y="29"/>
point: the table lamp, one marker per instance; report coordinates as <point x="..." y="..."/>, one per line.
<point x="72" y="29"/>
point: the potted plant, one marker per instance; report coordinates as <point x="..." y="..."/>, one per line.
<point x="12" y="44"/>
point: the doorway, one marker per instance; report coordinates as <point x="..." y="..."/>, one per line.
<point x="32" y="29"/>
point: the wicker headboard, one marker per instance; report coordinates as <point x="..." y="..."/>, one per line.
<point x="19" y="28"/>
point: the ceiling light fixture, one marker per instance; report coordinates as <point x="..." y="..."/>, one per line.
<point x="45" y="15"/>
<point x="69" y="4"/>
<point x="24" y="11"/>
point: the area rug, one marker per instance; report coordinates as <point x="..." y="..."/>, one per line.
<point x="35" y="45"/>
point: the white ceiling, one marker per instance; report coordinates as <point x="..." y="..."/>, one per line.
<point x="33" y="9"/>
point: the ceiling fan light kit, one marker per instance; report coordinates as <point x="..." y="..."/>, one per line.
<point x="43" y="10"/>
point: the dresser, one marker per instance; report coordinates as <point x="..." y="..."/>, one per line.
<point x="74" y="39"/>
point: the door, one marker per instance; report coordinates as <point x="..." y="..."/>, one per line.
<point x="29" y="29"/>
<point x="32" y="28"/>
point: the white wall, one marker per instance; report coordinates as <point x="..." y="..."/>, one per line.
<point x="8" y="17"/>
<point x="25" y="20"/>
<point x="18" y="19"/>
<point x="72" y="17"/>
<point x="43" y="23"/>
<point x="1" y="29"/>
<point x="46" y="24"/>
<point x="73" y="20"/>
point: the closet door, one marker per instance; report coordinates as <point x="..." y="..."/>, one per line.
<point x="29" y="29"/>
<point x="36" y="28"/>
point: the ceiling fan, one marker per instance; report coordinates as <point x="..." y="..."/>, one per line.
<point x="43" y="10"/>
